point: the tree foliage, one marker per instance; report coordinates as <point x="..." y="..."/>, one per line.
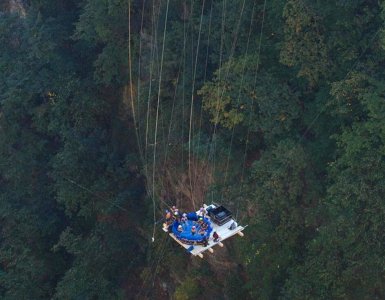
<point x="273" y="108"/>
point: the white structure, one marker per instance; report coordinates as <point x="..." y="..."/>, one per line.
<point x="223" y="231"/>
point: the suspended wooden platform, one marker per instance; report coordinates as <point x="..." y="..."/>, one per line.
<point x="223" y="231"/>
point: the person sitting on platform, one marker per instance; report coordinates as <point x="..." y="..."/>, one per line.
<point x="204" y="226"/>
<point x="176" y="215"/>
<point x="193" y="230"/>
<point x="201" y="212"/>
<point x="168" y="217"/>
<point x="215" y="236"/>
<point x="184" y="218"/>
<point x="180" y="229"/>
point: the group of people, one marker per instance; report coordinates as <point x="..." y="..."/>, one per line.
<point x="199" y="226"/>
<point x="172" y="215"/>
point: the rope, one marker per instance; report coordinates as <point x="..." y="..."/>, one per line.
<point x="252" y="104"/>
<point x="172" y="112"/>
<point x="183" y="84"/>
<point x="192" y="105"/>
<point x="130" y="81"/>
<point x="145" y="154"/>
<point x="220" y="95"/>
<point x="133" y="107"/>
<point x="204" y="80"/>
<point x="219" y="79"/>
<point x="152" y="262"/>
<point x="140" y="66"/>
<point x="157" y="115"/>
<point x="240" y="89"/>
<point x="164" y="244"/>
<point x="154" y="33"/>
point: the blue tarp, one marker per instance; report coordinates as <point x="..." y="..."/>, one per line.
<point x="192" y="216"/>
<point x="186" y="235"/>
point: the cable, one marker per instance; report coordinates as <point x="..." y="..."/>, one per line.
<point x="154" y="33"/>
<point x="158" y="263"/>
<point x="152" y="262"/>
<point x="192" y="105"/>
<point x="133" y="108"/>
<point x="157" y="114"/>
<point x="140" y="66"/>
<point x="252" y="103"/>
<point x="219" y="80"/>
<point x="220" y="94"/>
<point x="204" y="81"/>
<point x="130" y="81"/>
<point x="172" y="112"/>
<point x="239" y="91"/>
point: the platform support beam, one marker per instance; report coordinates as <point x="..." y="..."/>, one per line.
<point x="240" y="233"/>
<point x="211" y="250"/>
<point x="200" y="255"/>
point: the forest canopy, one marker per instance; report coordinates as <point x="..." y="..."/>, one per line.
<point x="111" y="111"/>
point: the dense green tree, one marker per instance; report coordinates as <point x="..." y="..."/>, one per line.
<point x="103" y="25"/>
<point x="276" y="106"/>
<point x="60" y="149"/>
<point x="304" y="45"/>
<point x="96" y="261"/>
<point x="30" y="221"/>
<point x="283" y="192"/>
<point x="345" y="260"/>
<point x="243" y="100"/>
